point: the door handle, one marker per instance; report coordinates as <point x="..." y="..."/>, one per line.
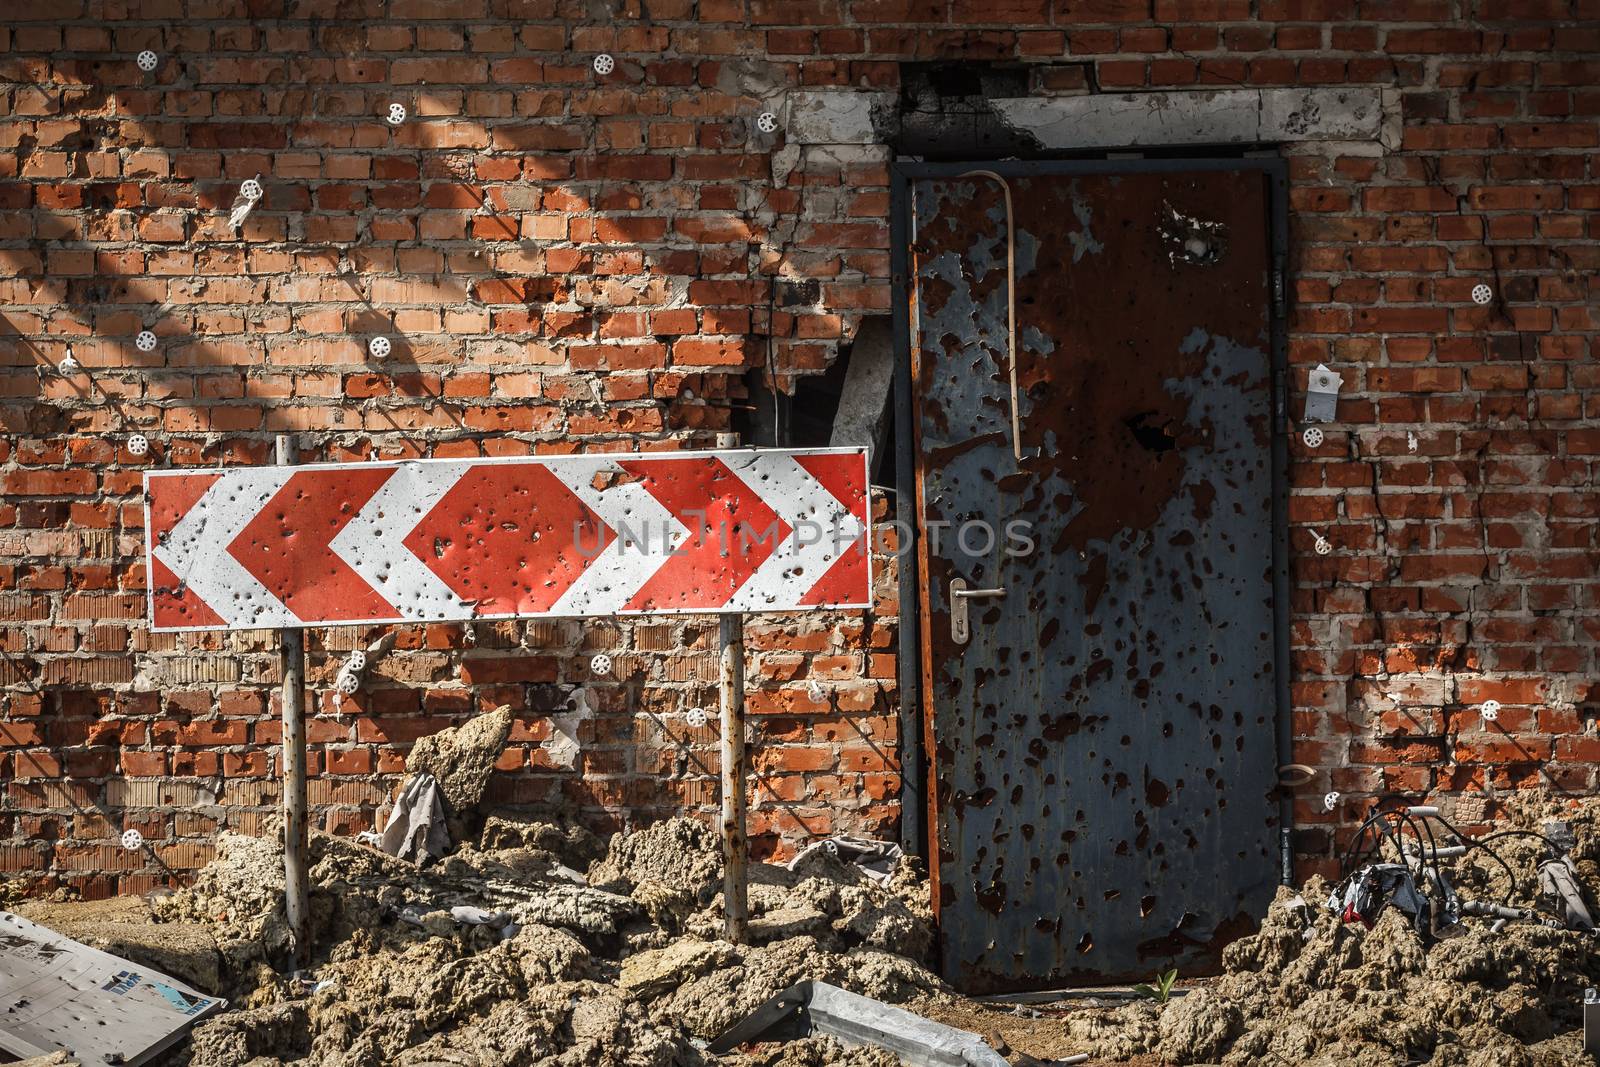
<point x="960" y="626"/>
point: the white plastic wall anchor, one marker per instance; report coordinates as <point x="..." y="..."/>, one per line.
<point x="1312" y="437"/>
<point x="397" y="114"/>
<point x="1323" y="545"/>
<point x="1482" y="294"/>
<point x="1330" y="800"/>
<point x="1490" y="710"/>
<point x="379" y="347"/>
<point x="601" y="664"/>
<point x="145" y="342"/>
<point x="132" y="840"/>
<point x="604" y="64"/>
<point x="815" y="691"/>
<point x="695" y="717"/>
<point x="356" y="661"/>
<point x="250" y="193"/>
<point x="1411" y="440"/>
<point x="766" y="122"/>
<point x="347" y="682"/>
<point x="147" y="60"/>
<point x="138" y="445"/>
<point x="69" y="363"/>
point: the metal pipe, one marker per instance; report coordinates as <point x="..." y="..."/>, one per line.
<point x="1277" y="175"/>
<point x="908" y="667"/>
<point x="296" y="870"/>
<point x="735" y="841"/>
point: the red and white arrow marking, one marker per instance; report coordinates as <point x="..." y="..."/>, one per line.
<point x="373" y="543"/>
<point x="647" y="535"/>
<point x="195" y="551"/>
<point x="438" y="540"/>
<point x="822" y="529"/>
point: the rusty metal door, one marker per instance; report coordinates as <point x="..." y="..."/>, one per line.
<point x="1103" y="742"/>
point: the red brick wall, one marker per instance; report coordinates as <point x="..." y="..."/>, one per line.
<point x="534" y="231"/>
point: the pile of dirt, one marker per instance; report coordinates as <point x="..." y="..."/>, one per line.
<point x="1311" y="989"/>
<point x="536" y="943"/>
<point x="621" y="966"/>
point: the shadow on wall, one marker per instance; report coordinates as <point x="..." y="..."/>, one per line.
<point x="533" y="296"/>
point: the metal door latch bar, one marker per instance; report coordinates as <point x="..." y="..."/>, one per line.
<point x="960" y="627"/>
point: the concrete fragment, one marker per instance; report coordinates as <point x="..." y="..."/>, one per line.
<point x="461" y="759"/>
<point x="784" y="161"/>
<point x="780" y="924"/>
<point x="819" y="1008"/>
<point x="1222" y="116"/>
<point x="679" y="854"/>
<point x="568" y="843"/>
<point x="649" y="974"/>
<point x="577" y="907"/>
<point x="862" y="417"/>
<point x="1345" y="114"/>
<point x="839" y="116"/>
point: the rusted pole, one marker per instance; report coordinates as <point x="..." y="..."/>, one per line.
<point x="735" y="843"/>
<point x="297" y="879"/>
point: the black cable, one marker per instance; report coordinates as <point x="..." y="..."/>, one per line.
<point x="1555" y="849"/>
<point x="1372" y="824"/>
<point x="1392" y="823"/>
<point x="1480" y="843"/>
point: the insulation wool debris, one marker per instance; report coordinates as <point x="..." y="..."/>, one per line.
<point x="504" y="953"/>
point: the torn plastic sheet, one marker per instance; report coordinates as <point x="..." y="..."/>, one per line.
<point x="877" y="859"/>
<point x="58" y="994"/>
<point x="1558" y="880"/>
<point x="416" y="829"/>
<point x="503" y="922"/>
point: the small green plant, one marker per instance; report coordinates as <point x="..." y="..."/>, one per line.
<point x="1161" y="992"/>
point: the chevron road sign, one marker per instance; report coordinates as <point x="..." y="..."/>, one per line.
<point x="445" y="539"/>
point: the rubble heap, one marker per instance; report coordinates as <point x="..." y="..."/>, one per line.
<point x="624" y="966"/>
<point x="535" y="943"/>
<point x="1310" y="989"/>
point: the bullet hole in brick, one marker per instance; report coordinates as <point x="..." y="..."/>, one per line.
<point x="792" y="294"/>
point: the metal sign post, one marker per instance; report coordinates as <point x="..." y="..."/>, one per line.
<point x="297" y="875"/>
<point x="735" y="841"/>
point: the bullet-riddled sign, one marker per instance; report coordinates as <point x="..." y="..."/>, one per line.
<point x="440" y="540"/>
<point x="57" y="994"/>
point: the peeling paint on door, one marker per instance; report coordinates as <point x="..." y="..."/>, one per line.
<point x="1103" y="747"/>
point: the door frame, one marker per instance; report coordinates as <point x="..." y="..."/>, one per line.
<point x="915" y="717"/>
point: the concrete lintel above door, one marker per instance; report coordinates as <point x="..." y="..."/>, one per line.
<point x="1210" y="117"/>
